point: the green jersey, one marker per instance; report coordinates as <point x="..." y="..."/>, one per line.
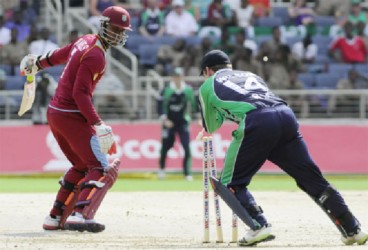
<point x="173" y="103"/>
<point x="231" y="94"/>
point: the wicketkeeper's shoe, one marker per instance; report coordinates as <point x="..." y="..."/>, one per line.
<point x="51" y="223"/>
<point x="253" y="237"/>
<point x="76" y="222"/>
<point x="360" y="237"/>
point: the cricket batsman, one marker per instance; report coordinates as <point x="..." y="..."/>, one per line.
<point x="81" y="134"/>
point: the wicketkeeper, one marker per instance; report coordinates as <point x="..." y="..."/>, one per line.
<point x="81" y="134"/>
<point x="267" y="130"/>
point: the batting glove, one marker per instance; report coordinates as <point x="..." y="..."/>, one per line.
<point x="105" y="139"/>
<point x="28" y="65"/>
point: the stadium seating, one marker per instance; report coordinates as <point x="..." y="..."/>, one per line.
<point x="7" y="68"/>
<point x="326" y="80"/>
<point x="166" y="40"/>
<point x="361" y="68"/>
<point x="14" y="82"/>
<point x="307" y="79"/>
<point x="281" y="12"/>
<point x="340" y="69"/>
<point x="148" y="54"/>
<point x="269" y="21"/>
<point x="324" y="20"/>
<point x="134" y="41"/>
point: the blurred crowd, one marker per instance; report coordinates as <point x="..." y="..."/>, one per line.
<point x="308" y="44"/>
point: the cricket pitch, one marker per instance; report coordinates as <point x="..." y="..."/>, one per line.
<point x="171" y="220"/>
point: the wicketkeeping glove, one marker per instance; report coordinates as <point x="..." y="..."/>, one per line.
<point x="105" y="139"/>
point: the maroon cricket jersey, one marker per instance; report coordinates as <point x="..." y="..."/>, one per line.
<point x="85" y="65"/>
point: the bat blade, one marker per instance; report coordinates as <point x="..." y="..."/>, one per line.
<point x="28" y="98"/>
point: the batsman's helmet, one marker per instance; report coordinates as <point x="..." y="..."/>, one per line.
<point x="114" y="22"/>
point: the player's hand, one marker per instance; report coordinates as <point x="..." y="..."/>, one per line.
<point x="200" y="135"/>
<point x="28" y="65"/>
<point x="168" y="124"/>
<point x="105" y="139"/>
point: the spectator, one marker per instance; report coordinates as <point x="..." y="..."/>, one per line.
<point x="357" y="14"/>
<point x="152" y="20"/>
<point x="193" y="57"/>
<point x="202" y="5"/>
<point x="362" y="31"/>
<point x="245" y="16"/>
<point x="269" y="47"/>
<point x="18" y="23"/>
<point x="193" y="9"/>
<point x="29" y="14"/>
<point x="298" y="103"/>
<point x="43" y="45"/>
<point x="305" y="50"/>
<point x="261" y="7"/>
<point x="2" y="80"/>
<point x="8" y="7"/>
<point x="220" y="14"/>
<point x="241" y="39"/>
<point x="300" y="13"/>
<point x="243" y="60"/>
<point x="96" y="7"/>
<point x="170" y="56"/>
<point x="4" y="33"/>
<point x="180" y="22"/>
<point x="335" y="8"/>
<point x="351" y="47"/>
<point x="354" y="81"/>
<point x="33" y="34"/>
<point x="13" y="52"/>
<point x="277" y="70"/>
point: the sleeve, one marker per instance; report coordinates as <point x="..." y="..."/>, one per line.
<point x="54" y="57"/>
<point x="211" y="118"/>
<point x="160" y="108"/>
<point x="83" y="86"/>
<point x="193" y="101"/>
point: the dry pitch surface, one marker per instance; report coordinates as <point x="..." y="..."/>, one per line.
<point x="171" y="220"/>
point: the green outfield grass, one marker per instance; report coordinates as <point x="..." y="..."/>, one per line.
<point x="149" y="182"/>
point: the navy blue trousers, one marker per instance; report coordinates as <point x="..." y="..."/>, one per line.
<point x="272" y="134"/>
<point x="168" y="139"/>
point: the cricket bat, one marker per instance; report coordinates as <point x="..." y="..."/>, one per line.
<point x="28" y="95"/>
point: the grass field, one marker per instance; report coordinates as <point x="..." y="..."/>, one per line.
<point x="149" y="182"/>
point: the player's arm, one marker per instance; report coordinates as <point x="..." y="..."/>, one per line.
<point x="211" y="119"/>
<point x="31" y="64"/>
<point x="160" y="104"/>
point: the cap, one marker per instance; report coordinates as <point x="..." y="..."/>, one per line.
<point x="213" y="58"/>
<point x="178" y="71"/>
<point x="356" y="1"/>
<point x="178" y="3"/>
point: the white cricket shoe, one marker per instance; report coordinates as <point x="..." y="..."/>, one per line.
<point x="161" y="174"/>
<point x="51" y="223"/>
<point x="253" y="237"/>
<point x="189" y="178"/>
<point x="361" y="237"/>
<point x="76" y="222"/>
